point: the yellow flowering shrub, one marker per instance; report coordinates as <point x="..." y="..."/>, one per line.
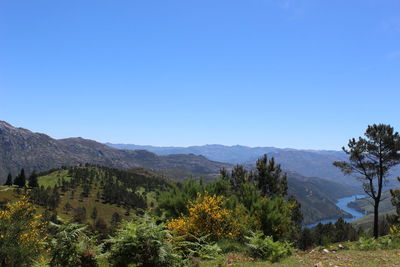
<point x="22" y="234"/>
<point x="394" y="231"/>
<point x="206" y="217"/>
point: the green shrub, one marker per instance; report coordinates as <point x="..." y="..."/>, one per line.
<point x="143" y="242"/>
<point x="229" y="245"/>
<point x="199" y="247"/>
<point x="40" y="264"/>
<point x="265" y="248"/>
<point x="173" y="202"/>
<point x="383" y="242"/>
<point x="71" y="246"/>
<point x="365" y="243"/>
<point x="275" y="218"/>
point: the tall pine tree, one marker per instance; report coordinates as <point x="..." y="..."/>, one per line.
<point x="270" y="179"/>
<point x="20" y="180"/>
<point x="33" y="180"/>
<point x="9" y="180"/>
<point x="238" y="177"/>
<point x="370" y="161"/>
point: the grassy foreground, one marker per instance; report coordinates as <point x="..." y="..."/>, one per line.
<point x="316" y="258"/>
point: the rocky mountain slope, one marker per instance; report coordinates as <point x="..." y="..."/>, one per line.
<point x="21" y="148"/>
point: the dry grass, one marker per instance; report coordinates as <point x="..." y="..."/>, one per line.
<point x="341" y="258"/>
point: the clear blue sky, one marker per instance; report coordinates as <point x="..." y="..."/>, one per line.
<point x="295" y="73"/>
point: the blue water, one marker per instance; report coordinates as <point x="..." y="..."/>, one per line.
<point x="342" y="204"/>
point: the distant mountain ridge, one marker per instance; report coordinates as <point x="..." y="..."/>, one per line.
<point x="21" y="148"/>
<point x="312" y="163"/>
<point x="309" y="163"/>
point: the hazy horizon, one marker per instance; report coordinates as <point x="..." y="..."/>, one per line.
<point x="172" y="146"/>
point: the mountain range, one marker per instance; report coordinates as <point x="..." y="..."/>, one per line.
<point x="21" y="148"/>
<point x="312" y="163"/>
<point x="309" y="163"/>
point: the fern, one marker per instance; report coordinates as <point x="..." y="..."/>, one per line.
<point x="196" y="247"/>
<point x="263" y="247"/>
<point x="142" y="242"/>
<point x="71" y="246"/>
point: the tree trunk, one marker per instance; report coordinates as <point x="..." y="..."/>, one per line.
<point x="376" y="219"/>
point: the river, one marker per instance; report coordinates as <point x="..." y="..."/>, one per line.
<point x="342" y="204"/>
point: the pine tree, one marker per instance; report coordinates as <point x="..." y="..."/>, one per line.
<point x="9" y="181"/>
<point x="270" y="179"/>
<point x="16" y="180"/>
<point x="23" y="178"/>
<point x="55" y="197"/>
<point x="306" y="239"/>
<point x="94" y="214"/>
<point x="20" y="180"/>
<point x="238" y="177"/>
<point x="115" y="219"/>
<point x="370" y="161"/>
<point x="33" y="180"/>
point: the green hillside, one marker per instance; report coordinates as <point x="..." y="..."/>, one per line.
<point x="318" y="197"/>
<point x="72" y="198"/>
<point x="367" y="221"/>
<point x="52" y="178"/>
<point x="364" y="205"/>
<point x="78" y="192"/>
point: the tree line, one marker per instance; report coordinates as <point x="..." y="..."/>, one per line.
<point x="21" y="181"/>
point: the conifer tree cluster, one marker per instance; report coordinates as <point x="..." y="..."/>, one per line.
<point x="46" y="197"/>
<point x="324" y="234"/>
<point x="268" y="178"/>
<point x="20" y="180"/>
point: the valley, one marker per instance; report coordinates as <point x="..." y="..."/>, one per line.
<point x="309" y="163"/>
<point x="77" y="181"/>
<point x="343" y="204"/>
<point x="21" y="148"/>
